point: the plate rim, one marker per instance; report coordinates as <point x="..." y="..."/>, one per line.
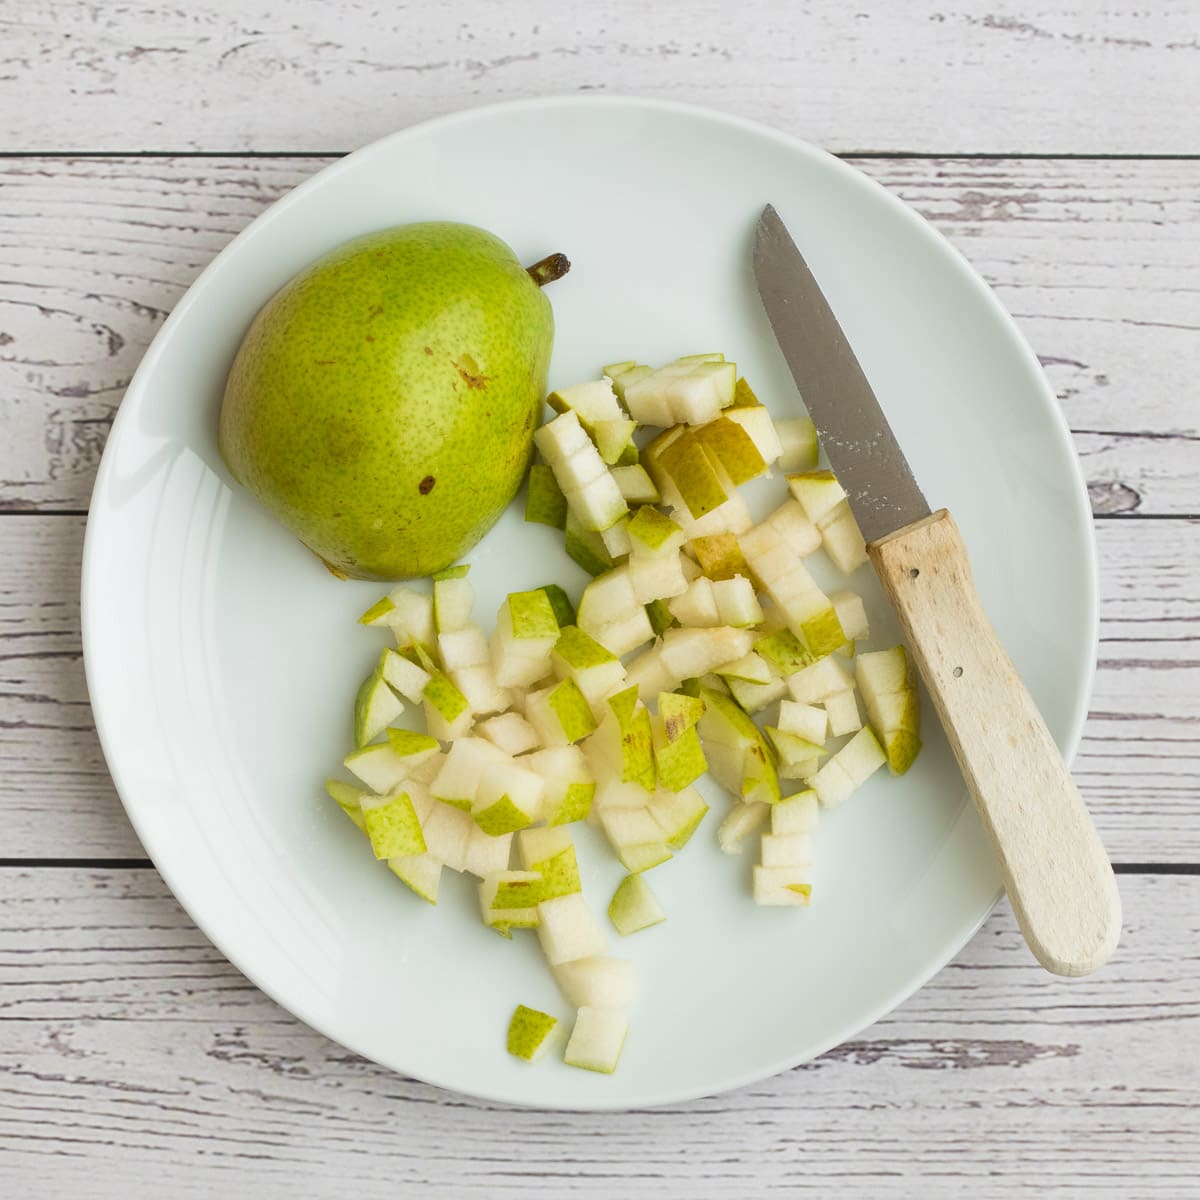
<point x="967" y="273"/>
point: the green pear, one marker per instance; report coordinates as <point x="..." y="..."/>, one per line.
<point x="383" y="402"/>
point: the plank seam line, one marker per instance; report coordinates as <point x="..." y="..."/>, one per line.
<point x="919" y="155"/>
<point x="140" y="864"/>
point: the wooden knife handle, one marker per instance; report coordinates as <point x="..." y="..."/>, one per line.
<point x="1057" y="873"/>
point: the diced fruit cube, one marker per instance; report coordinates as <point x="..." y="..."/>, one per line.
<point x="782" y="886"/>
<point x="529" y="1033"/>
<point x="600" y="982"/>
<point x="798" y="442"/>
<point x="634" y="906"/>
<point x="391" y="824"/>
<point x="597" y="1039"/>
<point x="567" y="930"/>
<point x="796" y="814"/>
<point x="741" y="821"/>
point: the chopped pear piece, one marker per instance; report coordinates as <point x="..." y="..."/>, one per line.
<point x="782" y="886"/>
<point x="693" y="476"/>
<point x="622" y="746"/>
<point x="636" y="485"/>
<point x="525" y="633"/>
<point x="485" y="855"/>
<point x="403" y="675"/>
<point x="697" y="607"/>
<point x="509" y="798"/>
<point x="750" y="667"/>
<point x="391" y="824"/>
<point x="692" y="652"/>
<point x="544" y="502"/>
<point x="538" y="845"/>
<point x="447" y="713"/>
<point x="597" y="1039"/>
<point x="560" y="713"/>
<point x="796" y="814"/>
<point x="597" y="671"/>
<point x="648" y="674"/>
<point x="818" y="492"/>
<point x="375" y="707"/>
<point x="719" y="556"/>
<point x="794" y="528"/>
<point x="678" y="756"/>
<point x="599" y="982"/>
<point x="561" y="438"/>
<point x="349" y="800"/>
<point x="798" y="442"/>
<point x="411" y="617"/>
<point x="756" y="421"/>
<point x="634" y="906"/>
<point x="457" y="781"/>
<point x="586" y="548"/>
<point x="733" y="449"/>
<point x="611" y="614"/>
<point x="678" y="814"/>
<point x="567" y="930"/>
<point x="385" y="765"/>
<point x="824" y="678"/>
<point x="568" y="786"/>
<point x="738" y="754"/>
<point x="786" y="850"/>
<point x="848" y="769"/>
<point x="616" y="539"/>
<point x="508" y="900"/>
<point x="635" y="835"/>
<point x="852" y="614"/>
<point x="784" y="651"/>
<point x="805" y="721"/>
<point x="843" y="542"/>
<point x="453" y="599"/>
<point x="843" y="713"/>
<point x="510" y="731"/>
<point x="560" y="604"/>
<point x="736" y="602"/>
<point x="741" y="821"/>
<point x="421" y="872"/>
<point x="591" y="402"/>
<point x="448" y="834"/>
<point x="529" y="1033"/>
<point x="754" y="697"/>
<point x="889" y="689"/>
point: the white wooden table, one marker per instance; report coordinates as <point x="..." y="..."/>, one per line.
<point x="1057" y="144"/>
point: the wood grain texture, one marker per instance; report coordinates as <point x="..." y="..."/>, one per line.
<point x="1061" y="76"/>
<point x="1055" y="868"/>
<point x="1138" y="765"/>
<point x="132" y="1052"/>
<point x="1098" y="260"/>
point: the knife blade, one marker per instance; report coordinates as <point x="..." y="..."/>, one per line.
<point x="851" y="426"/>
<point x="1054" y="866"/>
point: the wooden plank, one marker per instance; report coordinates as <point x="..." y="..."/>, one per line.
<point x="969" y="76"/>
<point x="1097" y="259"/>
<point x="1138" y="766"/>
<point x="131" y="1048"/>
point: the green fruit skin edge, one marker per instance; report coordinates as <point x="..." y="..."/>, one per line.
<point x="383" y="402"/>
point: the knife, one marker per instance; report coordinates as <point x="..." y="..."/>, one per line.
<point x="1055" y="868"/>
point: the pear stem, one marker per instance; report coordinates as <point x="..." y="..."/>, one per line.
<point x="555" y="266"/>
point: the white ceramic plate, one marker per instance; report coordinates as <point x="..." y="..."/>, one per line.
<point x="222" y="658"/>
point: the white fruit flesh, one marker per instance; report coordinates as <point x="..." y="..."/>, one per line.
<point x="782" y="886"/>
<point x="403" y="676"/>
<point x="798" y="440"/>
<point x="786" y="850"/>
<point x="657" y="578"/>
<point x="741" y="821"/>
<point x="597" y="1039"/>
<point x="559" y="439"/>
<point x="800" y="813"/>
<point x="634" y="906"/>
<point x="851" y="613"/>
<point x="736" y="602"/>
<point x="601" y="982"/>
<point x="697" y="607"/>
<point x="805" y="721"/>
<point x="843" y="542"/>
<point x="448" y="832"/>
<point x="457" y="782"/>
<point x="567" y="930"/>
<point x="756" y="421"/>
<point x="636" y="485"/>
<point x="510" y="732"/>
<point x="843" y="713"/>
<point x="411" y="617"/>
<point x="848" y="769"/>
<point x="453" y="600"/>
<point x="812" y="684"/>
<point x="485" y="855"/>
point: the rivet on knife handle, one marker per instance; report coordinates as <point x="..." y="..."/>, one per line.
<point x="1055" y="868"/>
